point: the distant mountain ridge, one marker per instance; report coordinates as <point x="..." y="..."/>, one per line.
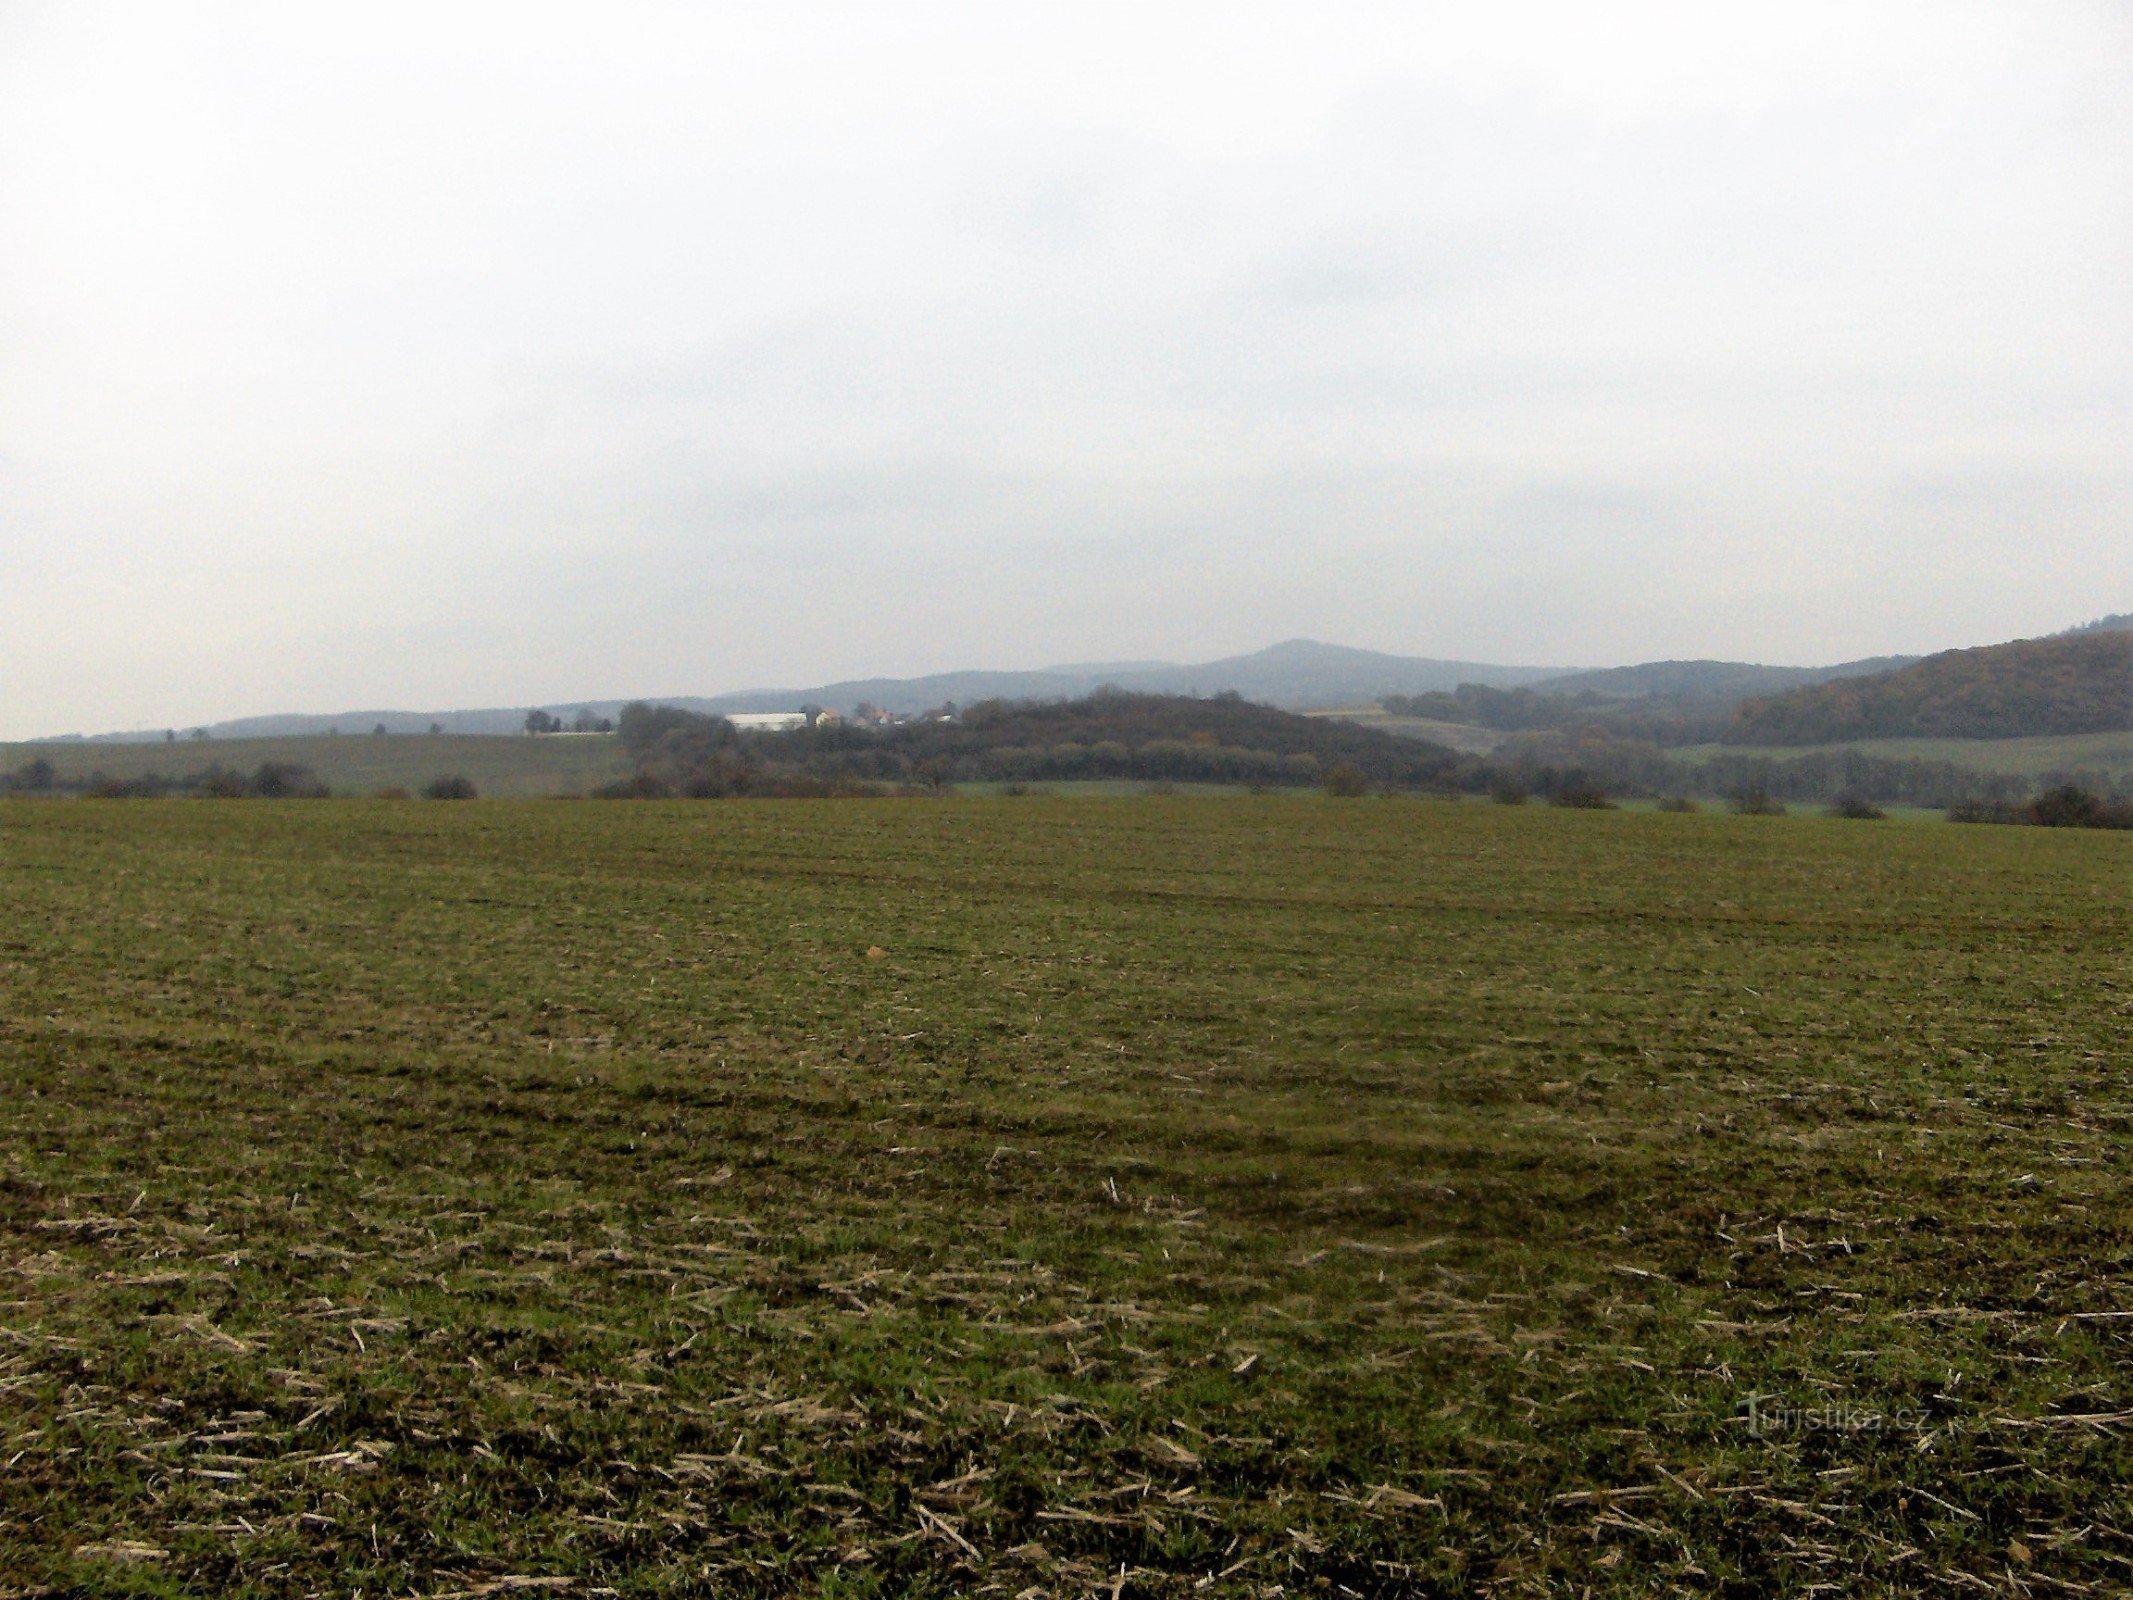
<point x="1295" y="675"/>
<point x="1298" y="674"/>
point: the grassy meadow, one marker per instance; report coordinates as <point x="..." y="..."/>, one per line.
<point x="1466" y="738"/>
<point x="1027" y="1196"/>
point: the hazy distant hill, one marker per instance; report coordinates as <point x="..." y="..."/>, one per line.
<point x="1298" y="675"/>
<point x="1305" y="675"/>
<point x="2080" y="682"/>
<point x="1709" y="680"/>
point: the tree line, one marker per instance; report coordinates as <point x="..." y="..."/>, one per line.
<point x="270" y="780"/>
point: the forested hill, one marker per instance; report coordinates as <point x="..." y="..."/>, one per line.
<point x="1707" y="681"/>
<point x="2072" y="683"/>
<point x="1119" y="734"/>
<point x="1108" y="735"/>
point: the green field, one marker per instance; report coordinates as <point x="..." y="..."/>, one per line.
<point x="1165" y="1196"/>
<point x="2107" y="754"/>
<point x="358" y="764"/>
<point x="2110" y="753"/>
<point x="1463" y="737"/>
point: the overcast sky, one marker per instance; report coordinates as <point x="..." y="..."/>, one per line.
<point x="440" y="355"/>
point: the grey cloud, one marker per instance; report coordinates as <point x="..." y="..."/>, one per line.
<point x="370" y="355"/>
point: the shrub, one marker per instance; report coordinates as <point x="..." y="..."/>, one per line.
<point x="2069" y="806"/>
<point x="1345" y="782"/>
<point x="2066" y="806"/>
<point x="1581" y="794"/>
<point x="637" y="786"/>
<point x="1508" y="792"/>
<point x="1755" y="802"/>
<point x="392" y="791"/>
<point x="102" y="786"/>
<point x="36" y="778"/>
<point x="1857" y="809"/>
<point x="285" y="780"/>
<point x="1679" y="803"/>
<point x="455" y="787"/>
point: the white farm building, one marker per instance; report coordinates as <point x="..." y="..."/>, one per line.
<point x="767" y="721"/>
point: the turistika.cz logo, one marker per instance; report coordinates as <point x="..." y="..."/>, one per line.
<point x="1771" y="1414"/>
